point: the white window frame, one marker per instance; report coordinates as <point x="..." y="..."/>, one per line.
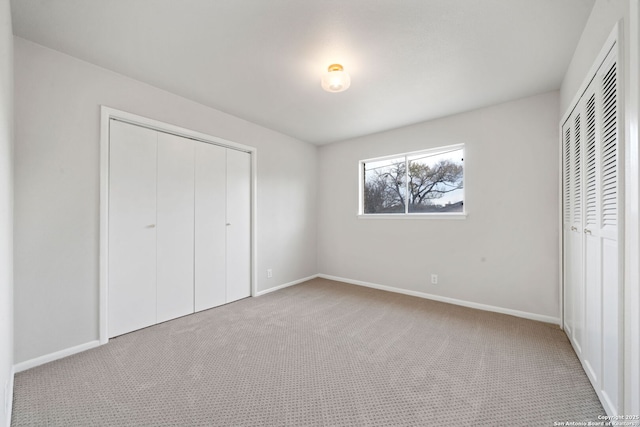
<point x="416" y="215"/>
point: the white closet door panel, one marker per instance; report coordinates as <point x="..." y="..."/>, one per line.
<point x="210" y="229"/>
<point x="238" y="225"/>
<point x="593" y="300"/>
<point x="175" y="226"/>
<point x="568" y="289"/>
<point x="577" y="286"/>
<point x="576" y="230"/>
<point x="610" y="324"/>
<point x="132" y="236"/>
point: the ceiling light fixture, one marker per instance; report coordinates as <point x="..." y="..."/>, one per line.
<point x="336" y="79"/>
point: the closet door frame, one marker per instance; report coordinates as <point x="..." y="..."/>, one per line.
<point x="106" y="115"/>
<point x="613" y="43"/>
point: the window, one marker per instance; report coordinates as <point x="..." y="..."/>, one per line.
<point x="424" y="183"/>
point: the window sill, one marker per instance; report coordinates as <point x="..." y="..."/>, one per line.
<point x="414" y="216"/>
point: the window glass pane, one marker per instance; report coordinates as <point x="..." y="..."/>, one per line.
<point x="435" y="182"/>
<point x="385" y="186"/>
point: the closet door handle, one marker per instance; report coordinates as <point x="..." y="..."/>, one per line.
<point x="587" y="231"/>
<point x="151" y="226"/>
<point x="573" y="228"/>
<point x="228" y="224"/>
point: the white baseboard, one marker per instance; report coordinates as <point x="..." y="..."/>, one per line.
<point x="32" y="363"/>
<point x="485" y="307"/>
<point x="286" y="285"/>
<point x="23" y="366"/>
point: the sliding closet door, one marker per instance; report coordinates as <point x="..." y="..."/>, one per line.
<point x="238" y="225"/>
<point x="210" y="229"/>
<point x="175" y="212"/>
<point x="132" y="232"/>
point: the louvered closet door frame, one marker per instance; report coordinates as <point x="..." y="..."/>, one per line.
<point x="107" y="114"/>
<point x="600" y="223"/>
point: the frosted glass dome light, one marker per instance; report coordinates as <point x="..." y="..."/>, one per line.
<point x="335" y="79"/>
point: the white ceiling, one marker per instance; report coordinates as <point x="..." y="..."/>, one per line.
<point x="261" y="60"/>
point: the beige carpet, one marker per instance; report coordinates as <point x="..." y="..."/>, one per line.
<point x="318" y="354"/>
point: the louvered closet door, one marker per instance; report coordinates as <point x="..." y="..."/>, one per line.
<point x="573" y="229"/>
<point x="592" y="353"/>
<point x="606" y="230"/>
<point x="591" y="204"/>
<point x="568" y="229"/>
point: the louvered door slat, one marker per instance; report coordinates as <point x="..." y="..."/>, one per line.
<point x="577" y="173"/>
<point x="609" y="132"/>
<point x="567" y="175"/>
<point x="609" y="153"/>
<point x="576" y="207"/>
<point x="591" y="209"/>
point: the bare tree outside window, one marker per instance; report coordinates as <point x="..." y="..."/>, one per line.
<point x="434" y="183"/>
<point x="385" y="186"/>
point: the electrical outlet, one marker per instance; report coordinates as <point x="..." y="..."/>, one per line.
<point x="269" y="273"/>
<point x="434" y="279"/>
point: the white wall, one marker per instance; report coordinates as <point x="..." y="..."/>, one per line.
<point x="57" y="112"/>
<point x="605" y="14"/>
<point x="504" y="254"/>
<point x="6" y="208"/>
